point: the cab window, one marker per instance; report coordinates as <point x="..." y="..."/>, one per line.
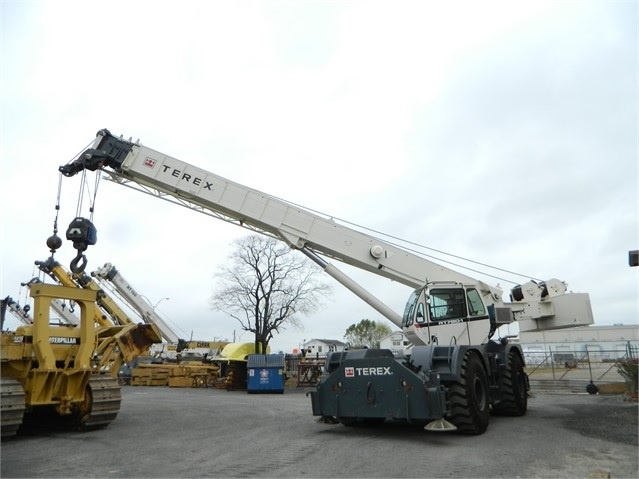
<point x="475" y="304"/>
<point x="420" y="317"/>
<point x="407" y="320"/>
<point x="449" y="303"/>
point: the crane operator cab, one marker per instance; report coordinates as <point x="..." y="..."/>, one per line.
<point x="449" y="313"/>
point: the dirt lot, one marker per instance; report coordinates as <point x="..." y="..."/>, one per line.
<point x="163" y="432"/>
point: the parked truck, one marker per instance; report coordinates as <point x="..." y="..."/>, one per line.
<point x="459" y="369"/>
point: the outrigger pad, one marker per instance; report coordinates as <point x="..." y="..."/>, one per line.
<point x="327" y="420"/>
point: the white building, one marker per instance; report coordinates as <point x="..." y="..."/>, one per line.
<point x="602" y="342"/>
<point x="317" y="348"/>
<point x="606" y="343"/>
<point x="395" y="341"/>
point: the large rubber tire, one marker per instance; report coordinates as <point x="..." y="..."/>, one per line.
<point x="468" y="402"/>
<point x="513" y="391"/>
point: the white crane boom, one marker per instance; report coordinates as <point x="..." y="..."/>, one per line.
<point x="20" y="313"/>
<point x="108" y="272"/>
<point x="64" y="311"/>
<point x="158" y="174"/>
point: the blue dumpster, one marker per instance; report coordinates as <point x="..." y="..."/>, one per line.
<point x="265" y="373"/>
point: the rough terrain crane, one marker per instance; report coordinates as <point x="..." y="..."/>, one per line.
<point x="65" y="313"/>
<point x="21" y="313"/>
<point x="111" y="275"/>
<point x="133" y="298"/>
<point x="455" y="374"/>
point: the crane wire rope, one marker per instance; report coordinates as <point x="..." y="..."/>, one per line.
<point x="400" y="243"/>
<point x="395" y="240"/>
<point x="85" y="190"/>
<point x="59" y="195"/>
<point x="81" y="231"/>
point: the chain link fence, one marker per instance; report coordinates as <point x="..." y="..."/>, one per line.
<point x="560" y="362"/>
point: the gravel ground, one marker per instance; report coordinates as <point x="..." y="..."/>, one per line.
<point x="166" y="432"/>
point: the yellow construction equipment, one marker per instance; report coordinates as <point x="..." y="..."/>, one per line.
<point x="65" y="375"/>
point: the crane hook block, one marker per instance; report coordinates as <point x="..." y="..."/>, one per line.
<point x="83" y="234"/>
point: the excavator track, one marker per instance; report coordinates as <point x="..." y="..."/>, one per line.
<point x="100" y="406"/>
<point x="102" y="402"/>
<point x="13" y="406"/>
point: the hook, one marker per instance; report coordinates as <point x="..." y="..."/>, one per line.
<point x="74" y="263"/>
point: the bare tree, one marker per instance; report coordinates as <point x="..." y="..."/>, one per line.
<point x="266" y="286"/>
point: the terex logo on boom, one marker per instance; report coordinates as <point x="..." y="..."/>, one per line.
<point x="186" y="177"/>
<point x="351" y="372"/>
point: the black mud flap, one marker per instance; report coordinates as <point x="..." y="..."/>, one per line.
<point x="315" y="403"/>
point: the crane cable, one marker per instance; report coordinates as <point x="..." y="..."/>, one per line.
<point x="81" y="230"/>
<point x="85" y="190"/>
<point x="496" y="268"/>
<point x="403" y="242"/>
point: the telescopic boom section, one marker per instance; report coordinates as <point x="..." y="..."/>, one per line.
<point x="136" y="300"/>
<point x="535" y="306"/>
<point x="300" y="228"/>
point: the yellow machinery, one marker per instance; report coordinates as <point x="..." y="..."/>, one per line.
<point x="65" y="375"/>
<point x="232" y="362"/>
<point x="47" y="370"/>
<point x="120" y="340"/>
<point x="226" y="370"/>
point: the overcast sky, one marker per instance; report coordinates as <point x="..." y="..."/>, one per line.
<point x="504" y="132"/>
